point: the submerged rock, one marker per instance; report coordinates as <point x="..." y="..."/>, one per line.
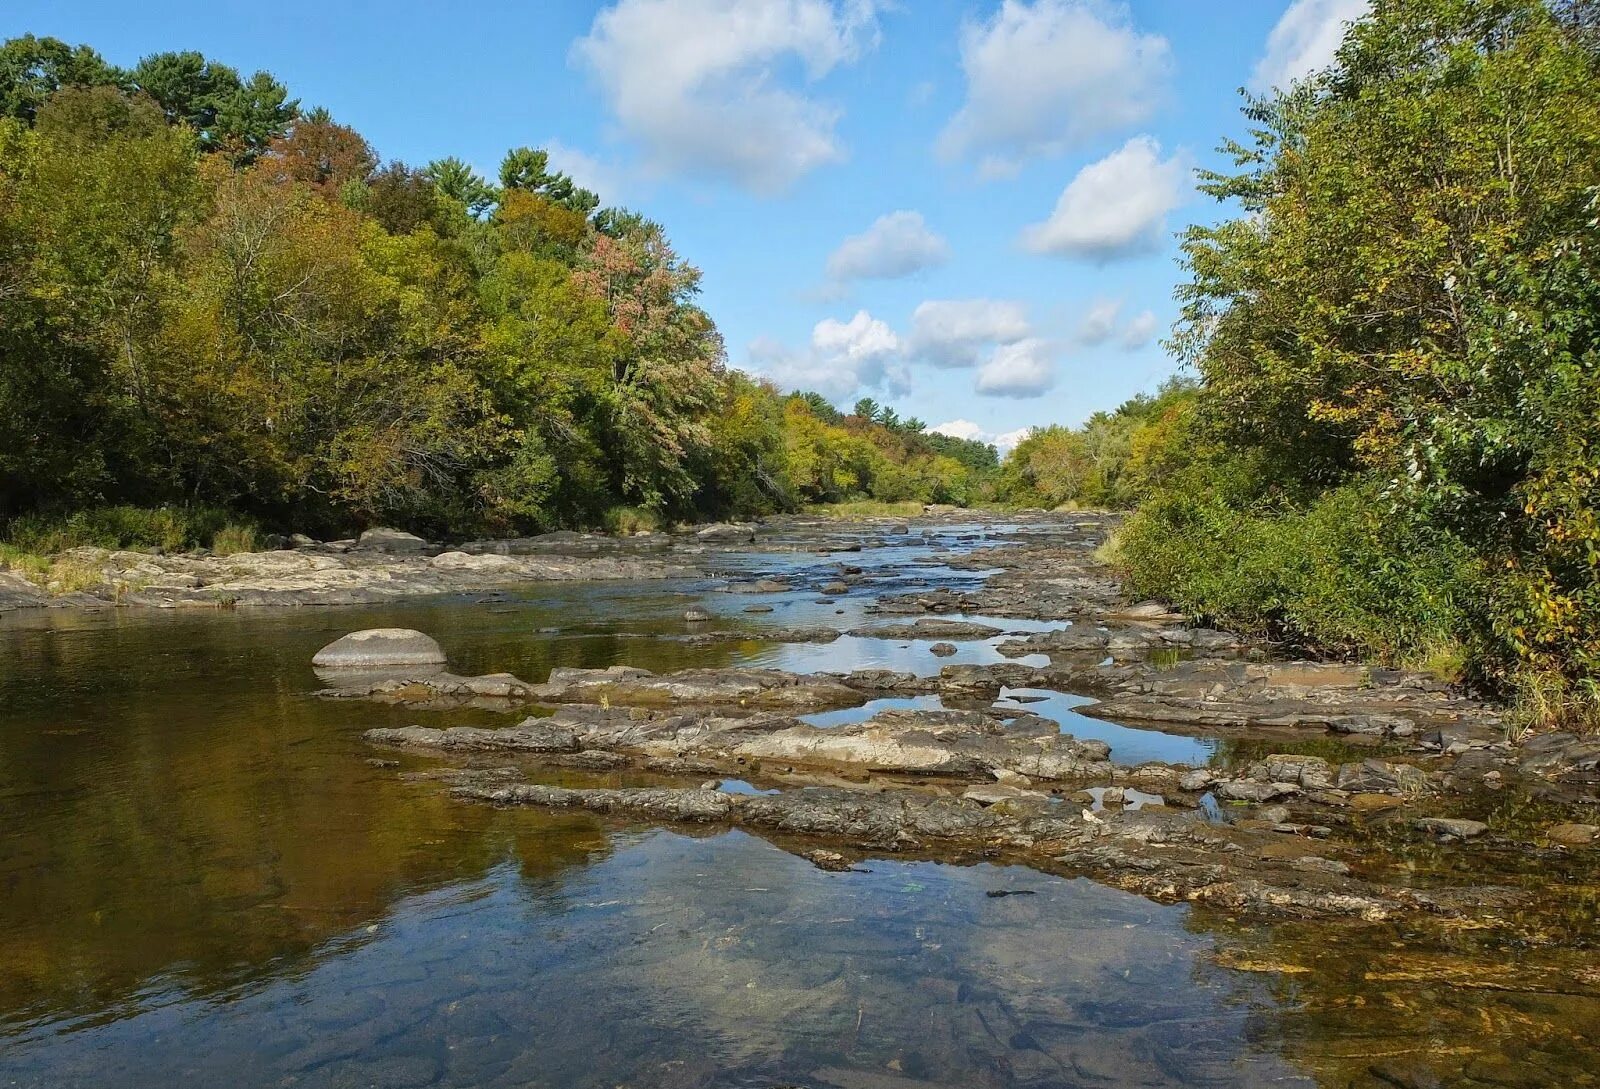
<point x="1452" y="827"/>
<point x="375" y="648"/>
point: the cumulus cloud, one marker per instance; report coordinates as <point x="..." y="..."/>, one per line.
<point x="1139" y="331"/>
<point x="1024" y="369"/>
<point x="708" y="89"/>
<point x="1103" y="323"/>
<point x="1100" y="322"/>
<point x="1045" y="77"/>
<point x="844" y="357"/>
<point x="955" y="332"/>
<point x="966" y="429"/>
<point x="896" y="245"/>
<point x="1305" y="40"/>
<point x="1113" y="208"/>
<point x="591" y="173"/>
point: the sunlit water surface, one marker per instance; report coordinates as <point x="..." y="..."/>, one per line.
<point x="203" y="882"/>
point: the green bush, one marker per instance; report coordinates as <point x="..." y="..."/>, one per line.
<point x="174" y="529"/>
<point x="626" y="521"/>
<point x="1349" y="573"/>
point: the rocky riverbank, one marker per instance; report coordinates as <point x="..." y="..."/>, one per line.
<point x="380" y="566"/>
<point x="1334" y="790"/>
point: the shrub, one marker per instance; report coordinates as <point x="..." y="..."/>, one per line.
<point x="1349" y="574"/>
<point x="626" y="521"/>
<point x="235" y="537"/>
<point x="174" y="529"/>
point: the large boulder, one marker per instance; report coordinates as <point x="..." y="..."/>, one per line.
<point x="383" y="539"/>
<point x="378" y="648"/>
<point x="725" y="531"/>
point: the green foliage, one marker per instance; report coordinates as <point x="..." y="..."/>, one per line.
<point x="1114" y="460"/>
<point x="32" y="69"/>
<point x="1405" y="326"/>
<point x="1348" y="573"/>
<point x="210" y="301"/>
<point x="174" y="529"/>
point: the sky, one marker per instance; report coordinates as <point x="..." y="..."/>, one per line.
<point x="965" y="209"/>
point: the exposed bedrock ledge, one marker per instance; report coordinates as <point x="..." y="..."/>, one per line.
<point x="1161" y="854"/>
<point x="957" y="745"/>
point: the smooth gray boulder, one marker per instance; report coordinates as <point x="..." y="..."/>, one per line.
<point x="383" y="539"/>
<point x="377" y="648"/>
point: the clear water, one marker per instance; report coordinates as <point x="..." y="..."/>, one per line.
<point x="204" y="882"/>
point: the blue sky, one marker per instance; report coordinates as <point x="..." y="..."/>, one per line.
<point x="964" y="208"/>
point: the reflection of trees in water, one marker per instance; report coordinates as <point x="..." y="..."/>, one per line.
<point x="1418" y="1004"/>
<point x="207" y="842"/>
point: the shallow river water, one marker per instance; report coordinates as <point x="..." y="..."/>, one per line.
<point x="203" y="882"/>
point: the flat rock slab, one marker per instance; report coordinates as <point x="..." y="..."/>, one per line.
<point x="752" y="688"/>
<point x="375" y="648"/>
<point x="1162" y="854"/>
<point x="931" y="628"/>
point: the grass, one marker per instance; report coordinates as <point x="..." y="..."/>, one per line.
<point x="57" y="574"/>
<point x="1551" y="700"/>
<point x="234" y="538"/>
<point x="171" y="529"/>
<point x="626" y="521"/>
<point x="868" y="508"/>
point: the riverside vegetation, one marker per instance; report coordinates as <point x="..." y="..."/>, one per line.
<point x="220" y="304"/>
<point x="223" y="306"/>
<point x="1391" y="442"/>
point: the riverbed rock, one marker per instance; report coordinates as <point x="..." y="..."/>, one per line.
<point x="376" y="648"/>
<point x="385" y="539"/>
<point x="942" y="650"/>
<point x="1452" y="827"/>
<point x="753" y="688"/>
<point x="696" y="616"/>
<point x="1572" y="835"/>
<point x="726" y="532"/>
<point x="930" y="628"/>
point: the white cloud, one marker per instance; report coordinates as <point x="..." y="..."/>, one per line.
<point x="588" y="171"/>
<point x="1044" y="78"/>
<point x="1024" y="369"/>
<point x="1113" y="208"/>
<point x="960" y="429"/>
<point x="1100" y="322"/>
<point x="1008" y="440"/>
<point x="896" y="245"/>
<point x="703" y="85"/>
<point x="1305" y="40"/>
<point x="954" y="332"/>
<point x="844" y="357"/>
<point x="966" y="429"/>
<point x="1139" y="331"/>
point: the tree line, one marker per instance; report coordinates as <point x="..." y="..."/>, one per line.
<point x="1390" y="442"/>
<point x="214" y="299"/>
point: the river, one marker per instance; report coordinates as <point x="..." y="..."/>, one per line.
<point x="204" y="881"/>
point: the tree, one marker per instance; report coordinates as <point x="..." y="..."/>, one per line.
<point x="241" y="118"/>
<point x="32" y="69"/>
<point x="455" y="180"/>
<point x="527" y="169"/>
<point x="321" y="154"/>
<point x="1407" y="313"/>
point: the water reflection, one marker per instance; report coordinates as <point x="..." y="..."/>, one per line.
<point x="202" y="880"/>
<point x="718" y="961"/>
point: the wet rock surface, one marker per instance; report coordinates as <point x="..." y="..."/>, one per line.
<point x="1286" y="832"/>
<point x="377" y="647"/>
<point x="340" y="574"/>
